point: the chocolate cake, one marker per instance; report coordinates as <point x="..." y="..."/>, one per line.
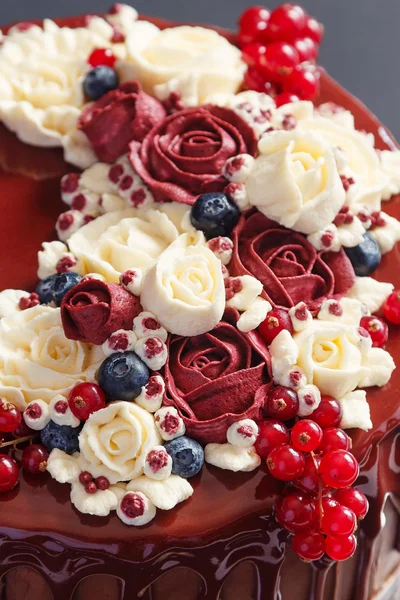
<point x="224" y="540"/>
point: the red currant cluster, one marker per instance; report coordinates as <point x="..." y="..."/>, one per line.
<point x="319" y="507"/>
<point x="280" y="49"/>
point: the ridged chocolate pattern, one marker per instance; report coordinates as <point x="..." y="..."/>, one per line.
<point x="227" y="525"/>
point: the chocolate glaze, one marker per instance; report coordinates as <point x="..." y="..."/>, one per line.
<point x="228" y="521"/>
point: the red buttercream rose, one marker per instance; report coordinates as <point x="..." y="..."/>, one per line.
<point x="183" y="156"/>
<point x="288" y="266"/>
<point x="120" y="116"/>
<point x="92" y="310"/>
<point x="217" y="378"/>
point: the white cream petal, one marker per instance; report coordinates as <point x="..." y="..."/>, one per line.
<point x="370" y="292"/>
<point x="165" y="494"/>
<point x="379" y="366"/>
<point x="232" y="458"/>
<point x="99" y="504"/>
<point x="9" y="301"/>
<point x="63" y="467"/>
<point x="355" y="411"/>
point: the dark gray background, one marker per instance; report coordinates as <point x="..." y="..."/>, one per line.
<point x="361" y="47"/>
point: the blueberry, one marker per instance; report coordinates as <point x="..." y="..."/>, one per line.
<point x="365" y="257"/>
<point x="214" y="214"/>
<point x="99" y="81"/>
<point x="60" y="436"/>
<point x="122" y="376"/>
<point x="187" y="456"/>
<point x="45" y="289"/>
<point x="63" y="283"/>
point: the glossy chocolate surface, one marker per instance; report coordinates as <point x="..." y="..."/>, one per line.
<point x="228" y="519"/>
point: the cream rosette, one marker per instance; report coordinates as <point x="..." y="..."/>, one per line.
<point x="116" y="440"/>
<point x="295" y="181"/>
<point x="193" y="61"/>
<point x="185" y="290"/>
<point x="132" y="239"/>
<point x="37" y="361"/>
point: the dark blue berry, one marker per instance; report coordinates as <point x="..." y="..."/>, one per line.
<point x="99" y="81"/>
<point x="60" y="436"/>
<point x="365" y="257"/>
<point x="187" y="456"/>
<point x="122" y="376"/>
<point x="63" y="283"/>
<point x="44" y="289"/>
<point x="215" y="214"/>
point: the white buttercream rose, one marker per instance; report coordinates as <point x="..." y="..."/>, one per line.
<point x="185" y="290"/>
<point x="37" y="361"/>
<point x="193" y="61"/>
<point x="132" y="239"/>
<point x="116" y="440"/>
<point x="295" y="181"/>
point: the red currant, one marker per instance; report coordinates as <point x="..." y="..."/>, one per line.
<point x="85" y="477"/>
<point x="91" y="487"/>
<point x="377" y="329"/>
<point x="102" y="57"/>
<point x="285" y="462"/>
<point x="256" y="80"/>
<point x="303" y="82"/>
<point x="285" y="98"/>
<point x="253" y="53"/>
<point x="85" y="399"/>
<point x="279" y="60"/>
<point x="9" y="473"/>
<point x="295" y="511"/>
<point x="252" y="25"/>
<point x="23" y="431"/>
<point x="309" y="479"/>
<point x="391" y="308"/>
<point x="338" y="469"/>
<point x="306" y="48"/>
<point x="334" y="438"/>
<point x="314" y="30"/>
<point x="102" y="483"/>
<point x="309" y="545"/>
<point x="328" y="413"/>
<point x="270" y="434"/>
<point x="341" y="547"/>
<point x="252" y="15"/>
<point x="353" y="499"/>
<point x="338" y="520"/>
<point x="277" y="320"/>
<point x="10" y="416"/>
<point x="306" y="435"/>
<point x="286" y="22"/>
<point x="34" y="459"/>
<point x="282" y="403"/>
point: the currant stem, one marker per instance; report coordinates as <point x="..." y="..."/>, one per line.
<point x="321" y="510"/>
<point x="17" y="441"/>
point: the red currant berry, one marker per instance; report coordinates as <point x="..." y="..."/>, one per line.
<point x="303" y="82"/>
<point x="334" y="438"/>
<point x="377" y="329"/>
<point x="328" y="413"/>
<point x="270" y="434"/>
<point x="253" y="53"/>
<point x="279" y="60"/>
<point x="252" y="15"/>
<point x="277" y="320"/>
<point x="338" y="520"/>
<point x="34" y="459"/>
<point x="353" y="499"/>
<point x="306" y="435"/>
<point x="338" y="469"/>
<point x="23" y="431"/>
<point x="85" y="399"/>
<point x="102" y="483"/>
<point x="285" y="98"/>
<point x="286" y="22"/>
<point x="309" y="545"/>
<point x="102" y="57"/>
<point x="391" y="308"/>
<point x="306" y="48"/>
<point x="85" y="477"/>
<point x="309" y="479"/>
<point x="10" y="416"/>
<point x="285" y="462"/>
<point x="91" y="487"/>
<point x="314" y="30"/>
<point x="256" y="80"/>
<point x="341" y="547"/>
<point x="295" y="511"/>
<point x="282" y="403"/>
<point x="9" y="473"/>
<point x="252" y="25"/>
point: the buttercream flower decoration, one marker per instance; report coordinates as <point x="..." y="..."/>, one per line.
<point x="183" y="156"/>
<point x="288" y="266"/>
<point x="214" y="379"/>
<point x="191" y="61"/>
<point x="116" y="440"/>
<point x="38" y="361"/>
<point x="132" y="239"/>
<point x="185" y="290"/>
